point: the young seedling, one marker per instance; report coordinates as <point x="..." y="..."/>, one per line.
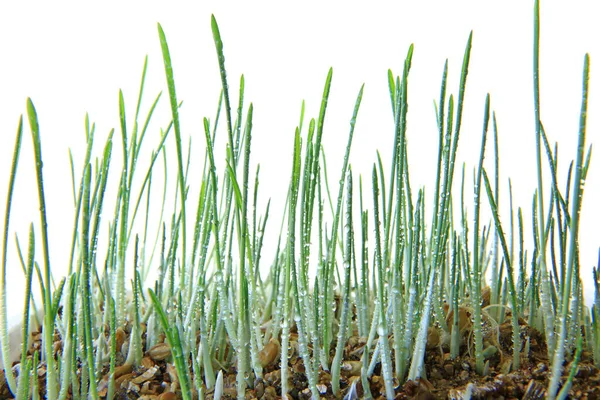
<point x="333" y="316"/>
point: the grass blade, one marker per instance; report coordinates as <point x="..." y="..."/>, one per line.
<point x="175" y="113"/>
<point x="5" y="349"/>
<point x="573" y="238"/>
<point x="51" y="379"/>
<point x="172" y="336"/>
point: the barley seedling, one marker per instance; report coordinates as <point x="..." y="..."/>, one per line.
<point x="336" y="316"/>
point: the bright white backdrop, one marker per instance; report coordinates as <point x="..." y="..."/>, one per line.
<point x="73" y="58"/>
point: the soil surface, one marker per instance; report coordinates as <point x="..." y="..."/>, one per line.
<point x="446" y="378"/>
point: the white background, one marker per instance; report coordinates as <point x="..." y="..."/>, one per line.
<point x="72" y="59"/>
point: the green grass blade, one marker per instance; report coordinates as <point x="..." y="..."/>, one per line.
<point x="477" y="269"/>
<point x="441" y="229"/>
<point x="51" y="379"/>
<point x="173" y="339"/>
<point x="289" y="266"/>
<point x="175" y="114"/>
<point x="218" y="249"/>
<point x="87" y="294"/>
<point x="382" y="326"/>
<point x="5" y="349"/>
<point x="536" y="107"/>
<point x="24" y="378"/>
<point x="225" y="86"/>
<point x="509" y="274"/>
<point x="134" y="356"/>
<point x="573" y="238"/>
<point x="26" y="306"/>
<point x="330" y="265"/>
<point x="78" y="197"/>
<point x="68" y="343"/>
<point x="341" y="338"/>
<point x="442" y="144"/>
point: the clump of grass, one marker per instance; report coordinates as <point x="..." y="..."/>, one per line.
<point x="212" y="313"/>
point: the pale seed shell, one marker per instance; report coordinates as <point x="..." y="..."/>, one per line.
<point x="159" y="352"/>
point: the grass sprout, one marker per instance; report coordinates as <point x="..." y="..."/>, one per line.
<point x="367" y="295"/>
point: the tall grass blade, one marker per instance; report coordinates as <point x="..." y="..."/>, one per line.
<point x="382" y="326"/>
<point x="341" y="339"/>
<point x="573" y="259"/>
<point x="477" y="268"/>
<point x="175" y="114"/>
<point x="440" y="236"/>
<point x="87" y="295"/>
<point x="51" y="379"/>
<point x="331" y="264"/>
<point x="5" y="348"/>
<point x="509" y="274"/>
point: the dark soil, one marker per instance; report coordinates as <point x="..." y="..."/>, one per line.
<point x="156" y="378"/>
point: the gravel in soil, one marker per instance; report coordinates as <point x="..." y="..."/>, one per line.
<point x="446" y="378"/>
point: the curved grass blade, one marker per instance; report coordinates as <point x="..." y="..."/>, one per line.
<point x="175" y="113"/>
<point x="5" y="349"/>
<point x="509" y="273"/>
<point x="172" y="336"/>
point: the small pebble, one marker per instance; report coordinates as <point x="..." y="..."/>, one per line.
<point x="122" y="370"/>
<point x="435" y="374"/>
<point x="539" y="370"/>
<point x="167" y="396"/>
<point x="449" y="368"/>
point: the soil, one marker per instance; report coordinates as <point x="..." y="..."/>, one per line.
<point x="447" y="378"/>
